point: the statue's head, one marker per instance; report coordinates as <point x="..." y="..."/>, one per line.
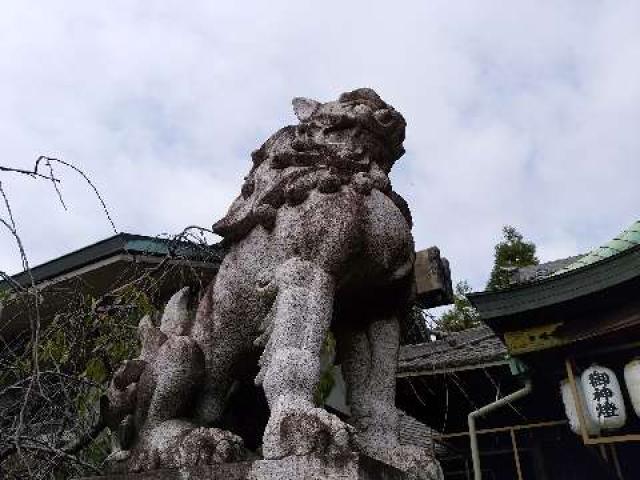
<point x="358" y="128"/>
<point x="354" y="141"/>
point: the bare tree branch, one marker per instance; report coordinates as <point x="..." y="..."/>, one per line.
<point x="48" y="160"/>
<point x="29" y="443"/>
<point x="29" y="173"/>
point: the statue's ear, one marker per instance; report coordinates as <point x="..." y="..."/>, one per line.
<point x="304" y="107"/>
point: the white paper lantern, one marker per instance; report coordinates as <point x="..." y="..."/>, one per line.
<point x="603" y="397"/>
<point x="632" y="379"/>
<point x="572" y="412"/>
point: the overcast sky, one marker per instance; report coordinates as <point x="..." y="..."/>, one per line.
<point x="522" y="112"/>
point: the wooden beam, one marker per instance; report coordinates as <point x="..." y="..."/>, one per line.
<point x="614" y="439"/>
<point x="533" y="339"/>
<point x="577" y="401"/>
<point x="603" y="350"/>
<point x="437" y="371"/>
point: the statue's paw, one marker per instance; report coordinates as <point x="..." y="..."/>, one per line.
<point x="128" y="372"/>
<point x="205" y="446"/>
<point x="176" y="444"/>
<point x="118" y="456"/>
<point x="301" y="431"/>
<point x="142" y="460"/>
<point x="419" y="463"/>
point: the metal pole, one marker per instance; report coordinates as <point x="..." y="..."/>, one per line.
<point x="603" y="453"/>
<point x="616" y="462"/>
<point x="516" y="456"/>
<point x="483" y="431"/>
<point x="473" y="437"/>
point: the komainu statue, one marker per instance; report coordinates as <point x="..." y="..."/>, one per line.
<point x="317" y="241"/>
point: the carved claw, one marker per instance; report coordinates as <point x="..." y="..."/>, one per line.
<point x="176" y="316"/>
<point x="416" y="461"/>
<point x="301" y="431"/>
<point x="143" y="460"/>
<point x="151" y="338"/>
<point x="128" y="372"/>
<point x="118" y="456"/>
<point x="185" y="446"/>
<point x="122" y="392"/>
<point x="205" y="446"/>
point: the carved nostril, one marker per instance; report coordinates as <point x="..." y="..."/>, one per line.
<point x="384" y="117"/>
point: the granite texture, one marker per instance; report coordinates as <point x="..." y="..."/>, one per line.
<point x="433" y="279"/>
<point x="317" y="240"/>
<point x="352" y="467"/>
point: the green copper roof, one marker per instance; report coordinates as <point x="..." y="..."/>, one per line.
<point x="625" y="240"/>
<point x="121" y="243"/>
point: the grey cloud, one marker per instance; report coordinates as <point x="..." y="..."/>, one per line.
<point x="521" y="114"/>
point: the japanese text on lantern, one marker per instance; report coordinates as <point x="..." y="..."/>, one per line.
<point x="602" y="394"/>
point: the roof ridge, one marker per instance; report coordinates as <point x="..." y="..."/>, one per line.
<point x="628" y="238"/>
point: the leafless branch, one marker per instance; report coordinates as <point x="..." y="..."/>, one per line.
<point x="48" y="160"/>
<point x="28" y="173"/>
<point x="29" y="443"/>
<point x="46" y="421"/>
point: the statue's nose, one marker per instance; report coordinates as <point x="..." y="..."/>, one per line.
<point x="384" y="117"/>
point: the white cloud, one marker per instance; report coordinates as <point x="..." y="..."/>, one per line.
<point x="522" y="113"/>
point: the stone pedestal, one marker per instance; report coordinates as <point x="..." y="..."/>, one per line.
<point x="352" y="467"/>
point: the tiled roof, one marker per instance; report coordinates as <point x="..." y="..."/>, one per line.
<point x="460" y="349"/>
<point x="625" y="240"/>
<point x="414" y="432"/>
<point x="536" y="272"/>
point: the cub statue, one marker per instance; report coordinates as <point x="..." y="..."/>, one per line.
<point x="316" y="242"/>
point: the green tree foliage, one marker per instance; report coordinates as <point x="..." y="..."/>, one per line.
<point x="510" y="253"/>
<point x="416" y="327"/>
<point x="462" y="315"/>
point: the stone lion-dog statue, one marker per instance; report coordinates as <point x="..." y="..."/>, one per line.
<point x="317" y="241"/>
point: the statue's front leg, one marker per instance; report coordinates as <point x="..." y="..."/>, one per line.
<point x="370" y="354"/>
<point x="370" y="358"/>
<point x="291" y="364"/>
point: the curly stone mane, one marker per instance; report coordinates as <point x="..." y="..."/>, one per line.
<point x="354" y="140"/>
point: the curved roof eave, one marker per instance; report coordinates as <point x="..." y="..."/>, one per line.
<point x="625" y="240"/>
<point x="560" y="287"/>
